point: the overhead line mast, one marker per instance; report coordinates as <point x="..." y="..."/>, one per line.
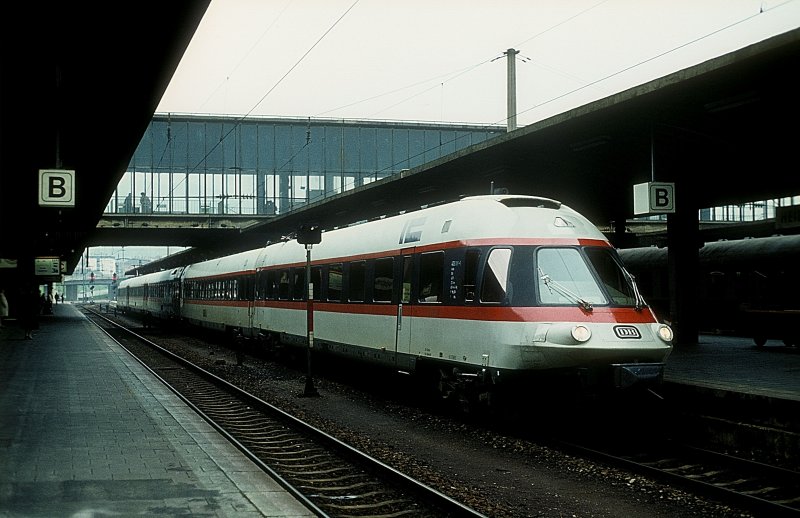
<point x="512" y="89"/>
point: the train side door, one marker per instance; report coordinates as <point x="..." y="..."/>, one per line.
<point x="404" y="313"/>
<point x="249" y="296"/>
<point x="176" y="292"/>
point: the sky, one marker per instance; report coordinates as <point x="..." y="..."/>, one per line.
<point x="444" y="60"/>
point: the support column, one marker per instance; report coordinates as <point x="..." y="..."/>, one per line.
<point x="683" y="242"/>
<point x="620" y="237"/>
<point x="284" y="203"/>
<point x="261" y="192"/>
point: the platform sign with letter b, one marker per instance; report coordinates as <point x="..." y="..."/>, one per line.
<point x="654" y="198"/>
<point x="56" y="188"/>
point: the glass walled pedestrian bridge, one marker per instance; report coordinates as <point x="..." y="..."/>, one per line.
<point x="192" y="164"/>
<point x="222" y="165"/>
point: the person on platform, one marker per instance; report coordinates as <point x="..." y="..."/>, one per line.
<point x="30" y="308"/>
<point x="48" y="303"/>
<point x="3" y="306"/>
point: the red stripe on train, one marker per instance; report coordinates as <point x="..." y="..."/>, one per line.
<point x="485" y="313"/>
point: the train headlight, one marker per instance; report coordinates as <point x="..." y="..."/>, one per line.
<point x="581" y="333"/>
<point x="665" y="333"/>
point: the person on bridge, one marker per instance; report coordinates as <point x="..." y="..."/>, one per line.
<point x="127" y="205"/>
<point x="144" y="203"/>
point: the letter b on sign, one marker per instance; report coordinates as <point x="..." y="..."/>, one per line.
<point x="661" y="198"/>
<point x="654" y="198"/>
<point x="56" y="188"/>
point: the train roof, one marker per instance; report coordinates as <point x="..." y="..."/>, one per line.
<point x="739" y="251"/>
<point x="150" y="278"/>
<point x="471" y="219"/>
<point x="242" y="261"/>
<point x="467" y="220"/>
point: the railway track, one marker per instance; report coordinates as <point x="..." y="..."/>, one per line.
<point x="642" y="447"/>
<point x="331" y="477"/>
<point x="763" y="489"/>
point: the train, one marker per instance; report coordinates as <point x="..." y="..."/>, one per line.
<point x="746" y="287"/>
<point x="473" y="296"/>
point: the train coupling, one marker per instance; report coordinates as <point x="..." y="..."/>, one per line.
<point x="628" y="374"/>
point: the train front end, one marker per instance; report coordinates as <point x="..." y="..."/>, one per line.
<point x="577" y="312"/>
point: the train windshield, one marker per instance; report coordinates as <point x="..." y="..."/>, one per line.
<point x="616" y="281"/>
<point x="565" y="277"/>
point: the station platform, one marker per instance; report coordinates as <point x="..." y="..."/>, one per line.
<point x="737" y="365"/>
<point x="85" y="430"/>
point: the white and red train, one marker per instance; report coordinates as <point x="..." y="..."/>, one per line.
<point x="476" y="293"/>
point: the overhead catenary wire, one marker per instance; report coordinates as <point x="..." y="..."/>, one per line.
<point x="463" y="71"/>
<point x="246" y="54"/>
<point x="285" y="75"/>
<point x="644" y="61"/>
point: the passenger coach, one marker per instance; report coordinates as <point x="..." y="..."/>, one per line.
<point x="156" y="295"/>
<point x="473" y="293"/>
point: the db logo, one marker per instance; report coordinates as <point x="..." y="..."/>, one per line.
<point x="627" y="332"/>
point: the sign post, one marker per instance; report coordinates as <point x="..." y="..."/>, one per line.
<point x="309" y="235"/>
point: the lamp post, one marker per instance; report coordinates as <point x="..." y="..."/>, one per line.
<point x="309" y="235"/>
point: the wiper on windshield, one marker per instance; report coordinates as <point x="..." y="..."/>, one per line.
<point x="639" y="299"/>
<point x="555" y="286"/>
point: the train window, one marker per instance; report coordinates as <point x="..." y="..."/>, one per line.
<point x="246" y="287"/>
<point x="358" y="271"/>
<point x="431" y="267"/>
<point x="335" y="282"/>
<point x="495" y="275"/>
<point x="384" y="280"/>
<point x="408" y="269"/>
<point x="261" y="285"/>
<point x="316" y="282"/>
<point x="564" y="278"/>
<point x="470" y="274"/>
<point x="612" y="277"/>
<point x="272" y="285"/>
<point x="283" y="285"/>
<point x="299" y="286"/>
